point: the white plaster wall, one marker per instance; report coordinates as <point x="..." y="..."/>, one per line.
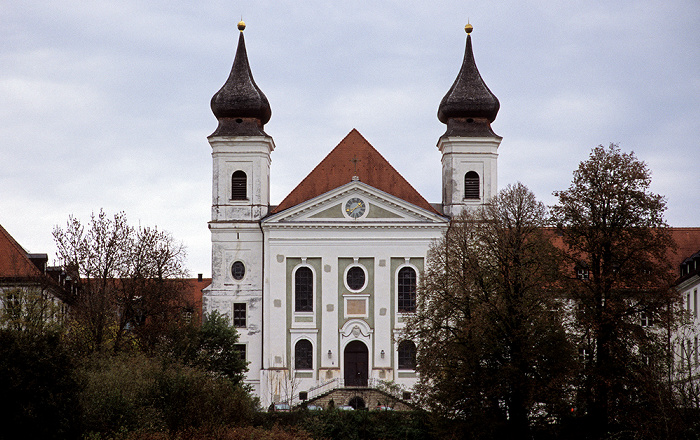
<point x="461" y="155"/>
<point x="329" y="243"/>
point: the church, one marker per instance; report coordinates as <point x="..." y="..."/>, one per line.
<point x="319" y="287"/>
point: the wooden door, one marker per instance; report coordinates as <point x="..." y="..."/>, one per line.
<point x="356" y="364"/>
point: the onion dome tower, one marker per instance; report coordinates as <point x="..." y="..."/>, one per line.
<point x="240" y="199"/>
<point x="469" y="145"/>
<point x="240" y="106"/>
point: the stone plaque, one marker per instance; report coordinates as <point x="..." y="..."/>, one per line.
<point x="356" y="307"/>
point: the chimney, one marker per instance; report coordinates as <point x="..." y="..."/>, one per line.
<point x="199" y="277"/>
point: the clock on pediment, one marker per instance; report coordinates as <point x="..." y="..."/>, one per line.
<point x="355" y="207"/>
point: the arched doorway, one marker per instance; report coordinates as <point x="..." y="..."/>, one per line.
<point x="356" y="364"/>
<point x="357" y="402"/>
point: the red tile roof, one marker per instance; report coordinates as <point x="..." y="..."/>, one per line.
<point x="687" y="242"/>
<point x="14" y="262"/>
<point x="353" y="156"/>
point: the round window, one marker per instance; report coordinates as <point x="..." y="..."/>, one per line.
<point x="356" y="278"/>
<point x="238" y="270"/>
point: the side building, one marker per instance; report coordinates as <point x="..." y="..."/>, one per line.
<point x="29" y="286"/>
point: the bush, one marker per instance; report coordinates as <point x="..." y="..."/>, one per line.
<point x="135" y="393"/>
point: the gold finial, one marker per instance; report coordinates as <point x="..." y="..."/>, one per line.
<point x="241" y="25"/>
<point x="468" y="28"/>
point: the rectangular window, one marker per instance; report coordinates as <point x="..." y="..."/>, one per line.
<point x="240" y="349"/>
<point x="582" y="274"/>
<point x="239" y="315"/>
<point x="645" y="320"/>
<point x="695" y="303"/>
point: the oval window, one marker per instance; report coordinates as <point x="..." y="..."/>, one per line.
<point x="238" y="270"/>
<point x="356" y="278"/>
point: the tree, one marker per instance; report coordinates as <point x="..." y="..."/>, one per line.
<point x="212" y="347"/>
<point x="128" y="278"/>
<point x="615" y="243"/>
<point x="491" y="346"/>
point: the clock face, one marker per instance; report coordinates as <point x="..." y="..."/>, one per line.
<point x="355" y="207"/>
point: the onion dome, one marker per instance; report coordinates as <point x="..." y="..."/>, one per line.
<point x="240" y="106"/>
<point x="469" y="107"/>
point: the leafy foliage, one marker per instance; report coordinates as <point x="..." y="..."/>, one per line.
<point x="136" y="393"/>
<point x="492" y="347"/>
<point x="616" y="238"/>
<point x="211" y="347"/>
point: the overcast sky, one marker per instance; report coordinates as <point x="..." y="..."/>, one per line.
<point x="105" y="104"/>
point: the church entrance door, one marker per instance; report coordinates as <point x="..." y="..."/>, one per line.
<point x="356" y="364"/>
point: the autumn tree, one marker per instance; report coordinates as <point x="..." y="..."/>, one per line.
<point x="491" y="346"/>
<point x="128" y="279"/>
<point x="615" y="245"/>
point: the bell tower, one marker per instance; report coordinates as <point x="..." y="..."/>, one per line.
<point x="469" y="146"/>
<point x="240" y="199"/>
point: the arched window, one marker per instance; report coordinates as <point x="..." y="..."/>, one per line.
<point x="239" y="186"/>
<point x="407" y="355"/>
<point x="471" y="186"/>
<point x="303" y="355"/>
<point x="304" y="290"/>
<point x="407" y="290"/>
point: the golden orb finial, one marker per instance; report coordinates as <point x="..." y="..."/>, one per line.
<point x="241" y="25"/>
<point x="468" y="28"/>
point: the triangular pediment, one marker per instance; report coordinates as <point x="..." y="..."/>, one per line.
<point x="355" y="203"/>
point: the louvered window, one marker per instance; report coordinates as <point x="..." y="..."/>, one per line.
<point x="239" y="186"/>
<point x="471" y="186"/>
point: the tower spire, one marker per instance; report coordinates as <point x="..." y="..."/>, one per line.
<point x="469" y="106"/>
<point x="241" y="108"/>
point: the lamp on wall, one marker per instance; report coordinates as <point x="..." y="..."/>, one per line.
<point x="382" y="354"/>
<point x="330" y="355"/>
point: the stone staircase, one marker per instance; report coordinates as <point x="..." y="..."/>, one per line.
<point x="359" y="397"/>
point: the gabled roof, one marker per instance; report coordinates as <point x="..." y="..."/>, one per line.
<point x="353" y="156"/>
<point x="14" y="261"/>
<point x="687" y="242"/>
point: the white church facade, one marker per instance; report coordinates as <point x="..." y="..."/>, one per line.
<point x="319" y="286"/>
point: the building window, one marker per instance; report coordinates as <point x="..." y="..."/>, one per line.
<point x="407" y="355"/>
<point x="582" y="274"/>
<point x="240" y="350"/>
<point x="584" y="355"/>
<point x="238" y="270"/>
<point x="471" y="186"/>
<point x="355" y="278"/>
<point x="407" y="290"/>
<point x="695" y="303"/>
<point x="304" y="290"/>
<point x="303" y="355"/>
<point x="239" y="186"/>
<point x="645" y="320"/>
<point x="239" y="315"/>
